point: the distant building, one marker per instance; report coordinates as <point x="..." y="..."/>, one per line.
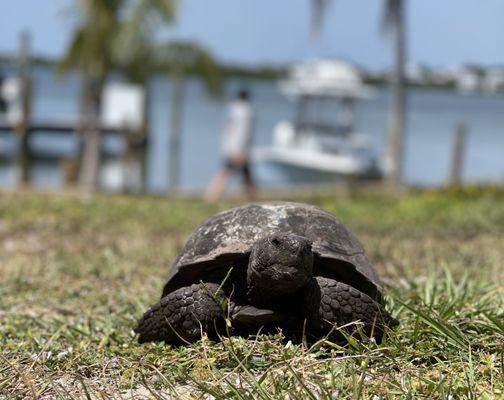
<point x="442" y="76"/>
<point x="418" y="74"/>
<point x="493" y="80"/>
<point x="469" y="79"/>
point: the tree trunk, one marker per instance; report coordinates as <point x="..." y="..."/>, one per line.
<point x="177" y="106"/>
<point x="396" y="146"/>
<point x="142" y="157"/>
<point x="24" y="124"/>
<point x="91" y="157"/>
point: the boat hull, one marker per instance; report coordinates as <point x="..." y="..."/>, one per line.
<point x="309" y="166"/>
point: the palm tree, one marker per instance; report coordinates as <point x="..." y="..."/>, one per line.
<point x="135" y="57"/>
<point x="89" y="51"/>
<point x="394" y="20"/>
<point x="109" y="33"/>
<point x="177" y="59"/>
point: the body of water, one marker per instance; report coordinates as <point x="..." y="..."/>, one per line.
<point x="431" y="119"/>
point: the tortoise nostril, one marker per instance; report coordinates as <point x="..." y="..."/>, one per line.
<point x="275" y="242"/>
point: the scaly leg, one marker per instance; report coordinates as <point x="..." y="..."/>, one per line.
<point x="183" y="315"/>
<point x="328" y="302"/>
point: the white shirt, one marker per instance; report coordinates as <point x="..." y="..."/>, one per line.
<point x="237" y="133"/>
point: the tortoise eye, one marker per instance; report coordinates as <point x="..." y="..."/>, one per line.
<point x="275" y="242"/>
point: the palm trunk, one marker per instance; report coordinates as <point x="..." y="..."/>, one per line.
<point x="177" y="105"/>
<point x="91" y="157"/>
<point x="398" y="125"/>
<point x="142" y="157"/>
<point x="24" y="125"/>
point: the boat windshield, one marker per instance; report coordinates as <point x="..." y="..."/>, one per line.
<point x="325" y="115"/>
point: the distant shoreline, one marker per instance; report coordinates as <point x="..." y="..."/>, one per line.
<point x="259" y="72"/>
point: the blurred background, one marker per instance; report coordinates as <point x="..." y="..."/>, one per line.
<point x="135" y="95"/>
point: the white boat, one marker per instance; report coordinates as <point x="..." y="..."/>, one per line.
<point x="322" y="138"/>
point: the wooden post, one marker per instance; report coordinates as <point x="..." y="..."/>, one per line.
<point x="398" y="126"/>
<point x="459" y="144"/>
<point x="90" y="166"/>
<point x="23" y="128"/>
<point x="69" y="169"/>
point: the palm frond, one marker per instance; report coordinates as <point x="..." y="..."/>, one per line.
<point x="140" y="21"/>
<point x="183" y="57"/>
<point x="93" y="37"/>
<point x="120" y="34"/>
<point x="75" y="52"/>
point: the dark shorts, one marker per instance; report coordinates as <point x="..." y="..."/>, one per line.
<point x="243" y="169"/>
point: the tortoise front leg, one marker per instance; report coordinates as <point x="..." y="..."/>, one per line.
<point x="183" y="315"/>
<point x="329" y="304"/>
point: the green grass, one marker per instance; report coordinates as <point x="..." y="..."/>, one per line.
<point x="76" y="274"/>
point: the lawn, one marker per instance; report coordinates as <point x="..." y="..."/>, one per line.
<point x="75" y="274"/>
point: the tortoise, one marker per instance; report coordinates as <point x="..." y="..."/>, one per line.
<point x="279" y="264"/>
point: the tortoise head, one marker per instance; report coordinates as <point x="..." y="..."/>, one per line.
<point x="279" y="264"/>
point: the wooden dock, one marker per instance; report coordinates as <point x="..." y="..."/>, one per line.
<point x="69" y="161"/>
<point x="18" y="122"/>
<point x="55" y="127"/>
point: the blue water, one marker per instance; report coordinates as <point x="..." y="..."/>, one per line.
<point x="431" y="120"/>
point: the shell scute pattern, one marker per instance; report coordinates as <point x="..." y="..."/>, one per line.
<point x="232" y="233"/>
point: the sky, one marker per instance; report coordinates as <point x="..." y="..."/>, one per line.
<point x="440" y="32"/>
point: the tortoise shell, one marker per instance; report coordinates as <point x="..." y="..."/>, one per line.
<point x="228" y="237"/>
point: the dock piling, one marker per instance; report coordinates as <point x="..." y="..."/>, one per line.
<point x="459" y="144"/>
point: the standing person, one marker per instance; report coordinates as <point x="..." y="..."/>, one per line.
<point x="236" y="142"/>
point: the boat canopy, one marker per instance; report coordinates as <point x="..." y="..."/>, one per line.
<point x="325" y="78"/>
